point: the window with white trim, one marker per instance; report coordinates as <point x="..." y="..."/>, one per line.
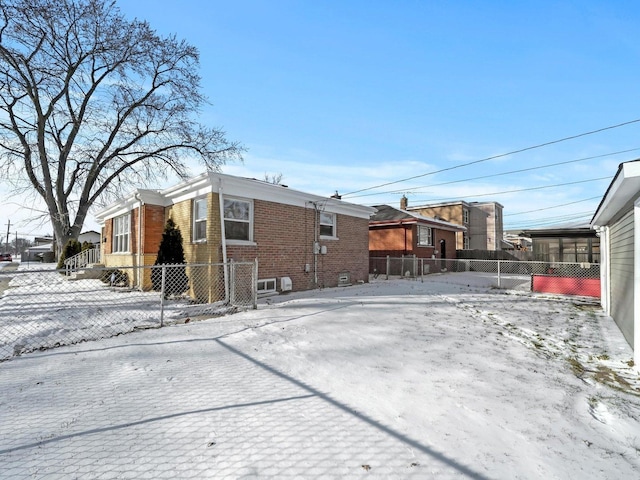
<point x="238" y="219"/>
<point x="425" y="236"/>
<point x="121" y="233"/>
<point x="465" y="241"/>
<point x="267" y="285"/>
<point x="327" y="224"/>
<point x="199" y="220"/>
<point x="465" y="215"/>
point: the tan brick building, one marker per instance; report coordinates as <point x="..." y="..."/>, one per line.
<point x="313" y="241"/>
<point x="482" y="220"/>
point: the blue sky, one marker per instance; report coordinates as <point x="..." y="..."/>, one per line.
<point x="347" y="95"/>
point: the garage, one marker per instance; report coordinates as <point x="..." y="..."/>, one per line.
<point x="616" y="222"/>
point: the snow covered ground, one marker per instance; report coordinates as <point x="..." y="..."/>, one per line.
<point x="392" y="379"/>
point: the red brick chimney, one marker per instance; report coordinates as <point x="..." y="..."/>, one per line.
<point x="404" y="202"/>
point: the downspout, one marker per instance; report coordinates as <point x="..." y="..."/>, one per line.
<point x="603" y="233"/>
<point x="223" y="241"/>
<point x="316" y="244"/>
<point x="139" y="249"/>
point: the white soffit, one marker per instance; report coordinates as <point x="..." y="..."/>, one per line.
<point x="624" y="187"/>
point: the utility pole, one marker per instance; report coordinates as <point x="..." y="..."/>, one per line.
<point x="8" y="233"/>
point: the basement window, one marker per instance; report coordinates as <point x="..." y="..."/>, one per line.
<point x="267" y="285"/>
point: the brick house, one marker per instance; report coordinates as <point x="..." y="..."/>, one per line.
<point x="482" y="221"/>
<point x="398" y="232"/>
<point x="313" y="241"/>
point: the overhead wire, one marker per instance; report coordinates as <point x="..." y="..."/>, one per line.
<point x="553" y="206"/>
<point x="441" y="200"/>
<point x="415" y="189"/>
<point x="493" y="157"/>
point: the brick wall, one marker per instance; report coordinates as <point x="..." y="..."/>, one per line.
<point x="153" y="220"/>
<point x="396" y="241"/>
<point x="390" y="240"/>
<point x="199" y="252"/>
<point x="284" y="237"/>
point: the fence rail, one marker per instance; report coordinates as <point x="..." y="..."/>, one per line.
<point x="546" y="277"/>
<point x="42" y="308"/>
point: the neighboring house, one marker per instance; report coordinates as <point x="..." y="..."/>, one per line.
<point x="617" y="221"/>
<point x="313" y="241"/>
<point x="397" y="232"/>
<point x="482" y="221"/>
<point x="575" y="242"/>
<point x="42" y="241"/>
<point x="518" y="241"/>
<point x="90" y="236"/>
<point x="37" y="252"/>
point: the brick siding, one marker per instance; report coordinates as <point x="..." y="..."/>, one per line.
<point x="396" y="241"/>
<point x="284" y="237"/>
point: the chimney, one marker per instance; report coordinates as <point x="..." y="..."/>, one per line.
<point x="404" y="202"/>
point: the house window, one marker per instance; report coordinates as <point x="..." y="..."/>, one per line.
<point x="267" y="285"/>
<point x="465" y="215"/>
<point x="465" y="241"/>
<point x="199" y="220"/>
<point x="327" y="224"/>
<point x="237" y="219"/>
<point x="121" y="232"/>
<point x="425" y="237"/>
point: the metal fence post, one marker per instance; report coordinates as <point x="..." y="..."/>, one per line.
<point x="254" y="283"/>
<point x="164" y="270"/>
<point x="388" y="266"/>
<point x="499" y="285"/>
<point x="232" y="282"/>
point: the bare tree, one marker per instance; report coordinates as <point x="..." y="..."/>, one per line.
<point x="275" y="178"/>
<point x="93" y="104"/>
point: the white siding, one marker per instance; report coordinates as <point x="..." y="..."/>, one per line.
<point x="621" y="259"/>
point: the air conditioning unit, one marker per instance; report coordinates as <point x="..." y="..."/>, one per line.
<point x="285" y="284"/>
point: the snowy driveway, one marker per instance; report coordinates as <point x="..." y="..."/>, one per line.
<point x="393" y="379"/>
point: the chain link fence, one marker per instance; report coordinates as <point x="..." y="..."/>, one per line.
<point x="562" y="278"/>
<point x="43" y="308"/>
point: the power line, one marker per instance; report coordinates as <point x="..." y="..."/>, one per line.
<point x="550" y="221"/>
<point x="554" y="206"/>
<point x="440" y="200"/>
<point x="540" y="145"/>
<point x="500" y="174"/>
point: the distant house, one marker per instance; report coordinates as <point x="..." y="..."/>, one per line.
<point x="397" y="232"/>
<point x="90" y="236"/>
<point x="37" y="253"/>
<point x="575" y="242"/>
<point x="518" y="241"/>
<point x="482" y="222"/>
<point x="42" y="240"/>
<point x="310" y="241"/>
<point x="617" y="222"/>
